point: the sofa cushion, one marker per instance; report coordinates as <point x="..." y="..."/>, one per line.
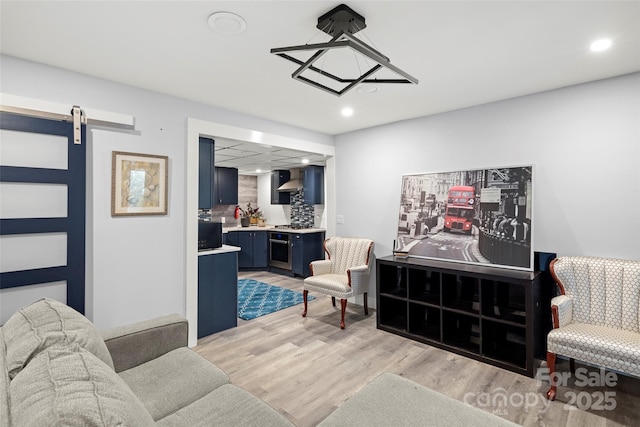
<point x="4" y="384"/>
<point x="46" y="323"/>
<point x="173" y="381"/>
<point x="390" y="400"/>
<point x="228" y="405"/>
<point x="69" y="386"/>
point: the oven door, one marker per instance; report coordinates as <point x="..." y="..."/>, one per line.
<point x="279" y="251"/>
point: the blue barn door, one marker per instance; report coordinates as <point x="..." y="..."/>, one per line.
<point x="42" y="210"/>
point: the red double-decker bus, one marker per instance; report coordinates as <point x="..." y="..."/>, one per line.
<point x="460" y="210"/>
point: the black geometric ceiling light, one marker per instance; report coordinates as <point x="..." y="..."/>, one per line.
<point x="341" y="23"/>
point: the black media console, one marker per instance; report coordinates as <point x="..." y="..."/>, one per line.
<point x="486" y="313"/>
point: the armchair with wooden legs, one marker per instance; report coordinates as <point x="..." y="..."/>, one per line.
<point x="344" y="274"/>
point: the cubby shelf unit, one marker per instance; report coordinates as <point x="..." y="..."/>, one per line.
<point x="486" y="313"/>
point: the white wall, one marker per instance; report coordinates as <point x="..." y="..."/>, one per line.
<point x="136" y="265"/>
<point x="583" y="142"/>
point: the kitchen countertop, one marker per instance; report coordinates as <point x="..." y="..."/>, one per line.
<point x="222" y="250"/>
<point x="273" y="228"/>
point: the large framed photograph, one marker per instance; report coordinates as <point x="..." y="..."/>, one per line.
<point x="139" y="184"/>
<point x="481" y="216"/>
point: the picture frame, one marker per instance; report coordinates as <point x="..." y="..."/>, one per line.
<point x="139" y="184"/>
<point x="480" y="216"/>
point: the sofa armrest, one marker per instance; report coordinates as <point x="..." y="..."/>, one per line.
<point x="561" y="311"/>
<point x="322" y="266"/>
<point x="359" y="279"/>
<point x="137" y="343"/>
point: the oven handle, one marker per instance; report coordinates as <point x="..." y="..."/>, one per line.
<point x="279" y="241"/>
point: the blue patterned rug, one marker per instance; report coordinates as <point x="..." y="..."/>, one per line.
<point x="256" y="299"/>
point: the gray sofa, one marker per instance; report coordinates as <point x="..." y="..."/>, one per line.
<point x="60" y="370"/>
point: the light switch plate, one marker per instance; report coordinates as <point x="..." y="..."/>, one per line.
<point x="340" y="219"/>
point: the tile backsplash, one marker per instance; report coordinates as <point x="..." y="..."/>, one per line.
<point x="302" y="214"/>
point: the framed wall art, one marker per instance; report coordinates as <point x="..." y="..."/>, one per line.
<point x="481" y="216"/>
<point x="139" y="184"/>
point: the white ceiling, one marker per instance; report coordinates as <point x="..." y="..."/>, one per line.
<point x="464" y="53"/>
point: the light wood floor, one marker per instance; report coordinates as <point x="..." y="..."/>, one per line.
<point x="306" y="367"/>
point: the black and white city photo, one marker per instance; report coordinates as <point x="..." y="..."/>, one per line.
<point x="478" y="216"/>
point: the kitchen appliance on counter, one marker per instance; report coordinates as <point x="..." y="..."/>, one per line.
<point x="280" y="250"/>
<point x="209" y="235"/>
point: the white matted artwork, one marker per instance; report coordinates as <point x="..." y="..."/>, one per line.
<point x="479" y="216"/>
<point x="139" y="184"/>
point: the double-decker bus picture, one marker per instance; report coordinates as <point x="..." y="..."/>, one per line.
<point x="460" y="209"/>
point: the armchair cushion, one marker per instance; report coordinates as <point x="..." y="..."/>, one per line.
<point x="335" y="285"/>
<point x="599" y="345"/>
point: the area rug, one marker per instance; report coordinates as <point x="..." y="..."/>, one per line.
<point x="256" y="298"/>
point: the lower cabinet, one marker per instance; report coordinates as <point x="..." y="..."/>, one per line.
<point x="485" y="313"/>
<point x="305" y="247"/>
<point x="254" y="252"/>
<point x="217" y="293"/>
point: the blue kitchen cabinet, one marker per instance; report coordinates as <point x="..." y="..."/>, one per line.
<point x="305" y="247"/>
<point x="254" y="252"/>
<point x="278" y="178"/>
<point x="313" y="179"/>
<point x="226" y="186"/>
<point x="205" y="173"/>
<point x="217" y="292"/>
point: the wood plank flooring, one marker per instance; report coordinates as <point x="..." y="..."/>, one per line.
<point x="306" y="367"/>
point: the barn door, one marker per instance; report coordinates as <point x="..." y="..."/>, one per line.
<point x="42" y="211"/>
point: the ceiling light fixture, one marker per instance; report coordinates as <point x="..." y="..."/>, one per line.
<point x="347" y="111"/>
<point x="600" y="45"/>
<point x="341" y="23"/>
<point x="305" y="161"/>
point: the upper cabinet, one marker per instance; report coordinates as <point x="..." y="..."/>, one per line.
<point x="216" y="185"/>
<point x="205" y="174"/>
<point x="226" y="186"/>
<point x="314" y="185"/>
<point x="279" y="177"/>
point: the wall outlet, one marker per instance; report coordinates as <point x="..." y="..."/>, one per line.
<point x="340" y="219"/>
<point x="222" y="220"/>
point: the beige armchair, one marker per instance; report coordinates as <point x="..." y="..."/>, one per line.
<point x="595" y="317"/>
<point x="344" y="274"/>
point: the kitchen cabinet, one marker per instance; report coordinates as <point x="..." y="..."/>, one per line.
<point x="305" y="247"/>
<point x="484" y="313"/>
<point x="313" y="179"/>
<point x="217" y="292"/>
<point x="205" y="173"/>
<point x="226" y="186"/>
<point x="279" y="177"/>
<point x="254" y="253"/>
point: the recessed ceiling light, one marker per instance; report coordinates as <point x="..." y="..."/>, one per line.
<point x="258" y="170"/>
<point x="347" y="112"/>
<point x="305" y="161"/>
<point x="227" y="23"/>
<point x="600" y="45"/>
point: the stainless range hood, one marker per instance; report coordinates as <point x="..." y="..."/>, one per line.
<point x="294" y="183"/>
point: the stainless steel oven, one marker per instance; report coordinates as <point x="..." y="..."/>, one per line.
<point x="280" y="250"/>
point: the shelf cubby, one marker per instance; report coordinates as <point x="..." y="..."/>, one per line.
<point x="504" y="301"/>
<point x="393" y="281"/>
<point x="461" y="331"/>
<point x="424" y="286"/>
<point x="461" y="292"/>
<point x="504" y="342"/>
<point x="395" y="314"/>
<point x="424" y="321"/>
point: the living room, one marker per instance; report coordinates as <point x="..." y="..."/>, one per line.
<point x="583" y="141"/>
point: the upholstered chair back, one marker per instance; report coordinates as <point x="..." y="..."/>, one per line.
<point x="347" y="252"/>
<point x="605" y="291"/>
